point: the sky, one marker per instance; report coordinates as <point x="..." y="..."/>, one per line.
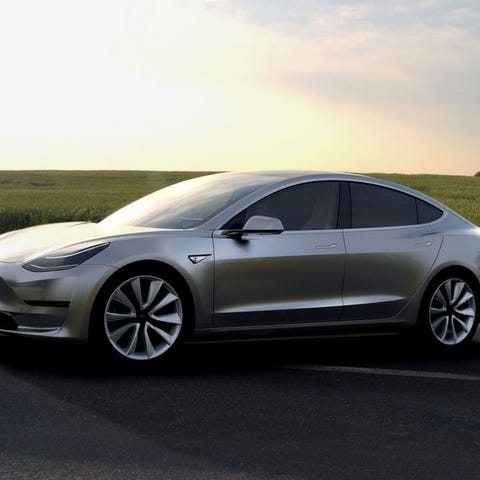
<point x="362" y="86"/>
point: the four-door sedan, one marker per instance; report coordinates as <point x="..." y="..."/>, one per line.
<point x="247" y="254"/>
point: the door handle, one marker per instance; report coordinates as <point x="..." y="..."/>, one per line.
<point x="331" y="245"/>
<point x="423" y="244"/>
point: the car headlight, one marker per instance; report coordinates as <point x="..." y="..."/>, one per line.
<point x="65" y="258"/>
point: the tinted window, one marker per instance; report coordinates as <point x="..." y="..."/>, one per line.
<point x="374" y="206"/>
<point x="427" y="213"/>
<point x="310" y="206"/>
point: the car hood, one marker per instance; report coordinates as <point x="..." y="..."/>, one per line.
<point x="20" y="245"/>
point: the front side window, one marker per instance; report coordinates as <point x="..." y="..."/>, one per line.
<point x="374" y="206"/>
<point x="309" y="206"/>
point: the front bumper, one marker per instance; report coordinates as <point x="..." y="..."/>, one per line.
<point x="49" y="304"/>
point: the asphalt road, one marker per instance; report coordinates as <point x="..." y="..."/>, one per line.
<point x="356" y="408"/>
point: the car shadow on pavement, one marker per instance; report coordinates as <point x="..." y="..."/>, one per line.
<point x="381" y="351"/>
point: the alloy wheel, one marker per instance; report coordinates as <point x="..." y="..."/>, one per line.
<point x="452" y="311"/>
<point x="143" y="317"/>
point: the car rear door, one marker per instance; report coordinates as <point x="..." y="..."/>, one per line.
<point x="389" y="252"/>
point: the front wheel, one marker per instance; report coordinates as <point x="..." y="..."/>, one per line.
<point x="450" y="311"/>
<point x="140" y="316"/>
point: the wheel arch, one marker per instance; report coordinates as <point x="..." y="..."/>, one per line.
<point x="160" y="267"/>
<point x="452" y="270"/>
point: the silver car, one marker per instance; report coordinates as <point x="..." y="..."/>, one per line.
<point x="261" y="254"/>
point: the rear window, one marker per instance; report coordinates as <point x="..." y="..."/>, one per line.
<point x="427" y="213"/>
<point x="374" y="206"/>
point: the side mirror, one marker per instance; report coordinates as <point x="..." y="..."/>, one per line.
<point x="257" y="224"/>
<point x="261" y="224"/>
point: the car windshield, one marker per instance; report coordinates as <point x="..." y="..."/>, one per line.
<point x="190" y="203"/>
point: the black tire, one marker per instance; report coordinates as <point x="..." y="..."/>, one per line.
<point x="449" y="312"/>
<point x="140" y="316"/>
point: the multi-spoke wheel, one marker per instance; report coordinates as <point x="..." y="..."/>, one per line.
<point x="451" y="310"/>
<point x="142" y="316"/>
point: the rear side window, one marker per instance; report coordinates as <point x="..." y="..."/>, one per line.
<point x="427" y="213"/>
<point x="374" y="206"/>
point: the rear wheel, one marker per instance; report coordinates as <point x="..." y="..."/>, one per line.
<point x="140" y="316"/>
<point x="450" y="311"/>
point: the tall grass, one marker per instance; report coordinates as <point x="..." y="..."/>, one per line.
<point x="34" y="197"/>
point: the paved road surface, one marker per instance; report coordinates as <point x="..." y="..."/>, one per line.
<point x="375" y="408"/>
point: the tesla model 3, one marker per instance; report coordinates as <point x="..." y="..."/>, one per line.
<point x="260" y="254"/>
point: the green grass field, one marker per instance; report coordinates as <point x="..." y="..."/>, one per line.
<point x="34" y="197"/>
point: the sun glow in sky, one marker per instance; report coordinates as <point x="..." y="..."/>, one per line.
<point x="365" y="86"/>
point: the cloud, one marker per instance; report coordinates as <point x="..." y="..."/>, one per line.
<point x="401" y="59"/>
<point x="225" y="84"/>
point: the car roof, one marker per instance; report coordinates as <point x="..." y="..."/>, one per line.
<point x="287" y="174"/>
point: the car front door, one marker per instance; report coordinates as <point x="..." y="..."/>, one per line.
<point x="294" y="277"/>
